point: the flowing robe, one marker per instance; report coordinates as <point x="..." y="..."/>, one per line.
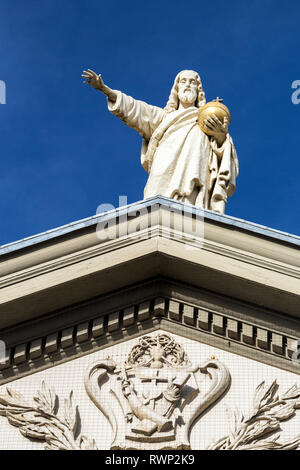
<point x="183" y="163"/>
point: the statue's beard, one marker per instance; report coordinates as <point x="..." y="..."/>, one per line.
<point x="187" y="97"/>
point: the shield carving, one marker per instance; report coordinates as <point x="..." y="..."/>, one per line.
<point x="152" y="399"/>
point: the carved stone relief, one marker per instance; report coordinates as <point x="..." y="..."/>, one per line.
<point x="247" y="432"/>
<point x="40" y="420"/>
<point x="151" y="401"/>
<point x="157" y="392"/>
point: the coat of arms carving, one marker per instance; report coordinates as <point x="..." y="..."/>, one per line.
<point x="152" y="399"/>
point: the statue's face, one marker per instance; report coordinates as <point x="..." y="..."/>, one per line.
<point x="187" y="88"/>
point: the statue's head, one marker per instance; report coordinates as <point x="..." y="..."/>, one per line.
<point x="187" y="89"/>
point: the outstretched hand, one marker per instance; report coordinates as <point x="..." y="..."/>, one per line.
<point x="96" y="82"/>
<point x="93" y="79"/>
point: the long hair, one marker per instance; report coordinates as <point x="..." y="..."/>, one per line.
<point x="173" y="101"/>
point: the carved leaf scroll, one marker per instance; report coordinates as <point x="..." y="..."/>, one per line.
<point x="40" y="419"/>
<point x="268" y="410"/>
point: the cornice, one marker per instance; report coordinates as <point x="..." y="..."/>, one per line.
<point x="210" y="326"/>
<point x="218" y="262"/>
<point x="151" y="233"/>
<point x="164" y="202"/>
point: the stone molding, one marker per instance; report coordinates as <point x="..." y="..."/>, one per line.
<point x="233" y="258"/>
<point x="164" y="202"/>
<point x="204" y="325"/>
<point x="150" y="233"/>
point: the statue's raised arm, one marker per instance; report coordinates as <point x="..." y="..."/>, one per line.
<point x="138" y="115"/>
<point x="184" y="162"/>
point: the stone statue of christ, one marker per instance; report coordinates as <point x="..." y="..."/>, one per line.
<point x="183" y="162"/>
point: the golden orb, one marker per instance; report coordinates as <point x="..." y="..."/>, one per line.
<point x="213" y="107"/>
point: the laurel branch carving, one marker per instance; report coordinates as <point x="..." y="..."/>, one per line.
<point x="246" y="432"/>
<point x="40" y="419"/>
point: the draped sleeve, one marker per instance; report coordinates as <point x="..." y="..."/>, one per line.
<point x="140" y="116"/>
<point x="224" y="169"/>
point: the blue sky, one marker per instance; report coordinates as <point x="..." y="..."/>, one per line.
<point x="63" y="154"/>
